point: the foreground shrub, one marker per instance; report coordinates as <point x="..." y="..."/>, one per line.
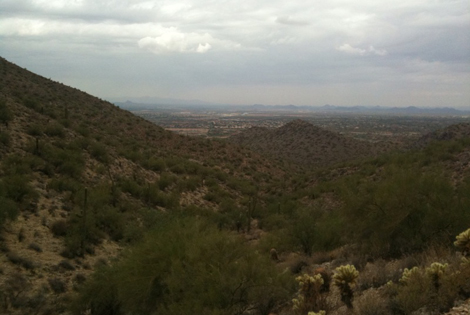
<point x="413" y="210"/>
<point x="434" y="289"/>
<point x="186" y="266"/>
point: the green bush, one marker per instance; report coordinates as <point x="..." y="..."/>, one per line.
<point x="17" y="188"/>
<point x="54" y="129"/>
<point x="35" y="130"/>
<point x="5" y="114"/>
<point x="405" y="211"/>
<point x="8" y="210"/>
<point x="5" y="138"/>
<point x="155" y="164"/>
<point x="434" y="288"/>
<point x="16" y="164"/>
<point x="186" y="267"/>
<point x="64" y="183"/>
<point x="99" y="152"/>
<point x="31" y="103"/>
<point x="66" y="161"/>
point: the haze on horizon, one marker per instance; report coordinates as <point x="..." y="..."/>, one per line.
<point x="366" y="52"/>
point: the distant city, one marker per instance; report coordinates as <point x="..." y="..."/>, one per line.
<point x="370" y="123"/>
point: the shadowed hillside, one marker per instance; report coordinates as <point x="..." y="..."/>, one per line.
<point x="454" y="132"/>
<point x="304" y="144"/>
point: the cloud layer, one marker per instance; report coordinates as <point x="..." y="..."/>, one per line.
<point x="413" y="52"/>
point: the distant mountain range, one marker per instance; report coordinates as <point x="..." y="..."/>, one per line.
<point x="175" y="104"/>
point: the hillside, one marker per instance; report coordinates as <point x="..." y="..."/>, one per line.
<point x="81" y="178"/>
<point x="454" y="132"/>
<point x="304" y="144"/>
<point x="102" y="212"/>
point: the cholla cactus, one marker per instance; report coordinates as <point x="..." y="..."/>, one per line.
<point x="309" y="284"/>
<point x="408" y="274"/>
<point x="463" y="242"/>
<point x="465" y="262"/>
<point x="308" y="293"/>
<point x="436" y="272"/>
<point x="345" y="279"/>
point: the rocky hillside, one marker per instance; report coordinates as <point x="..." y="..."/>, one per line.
<point x="302" y="143"/>
<point x="80" y="178"/>
<point x="453" y="132"/>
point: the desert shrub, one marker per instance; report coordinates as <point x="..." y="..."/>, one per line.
<point x="17" y="188"/>
<point x="64" y="183"/>
<point x="34" y="130"/>
<point x="5" y="114"/>
<point x="54" y="129"/>
<point x="99" y="294"/>
<point x="59" y="228"/>
<point x="21" y="261"/>
<point x="165" y="200"/>
<point x="13" y="290"/>
<point x="434" y="288"/>
<point x="66" y="161"/>
<point x="166" y="180"/>
<point x="16" y="164"/>
<point x="412" y="209"/>
<point x="372" y="302"/>
<point x="111" y="221"/>
<point x="313" y="229"/>
<point x="57" y="285"/>
<point x="31" y="103"/>
<point x="244" y="186"/>
<point x="66" y="265"/>
<point x="304" y="230"/>
<point x="8" y="210"/>
<point x="185" y="266"/>
<point x="99" y="152"/>
<point x="190" y="184"/>
<point x="132" y="187"/>
<point x="5" y="139"/>
<point x="154" y="164"/>
<point x="35" y="247"/>
<point x="82" y="130"/>
<point x="83" y="234"/>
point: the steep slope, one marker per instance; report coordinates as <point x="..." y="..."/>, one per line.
<point x="304" y="144"/>
<point x="80" y="178"/>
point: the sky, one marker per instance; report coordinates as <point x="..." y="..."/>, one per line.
<point x="302" y="52"/>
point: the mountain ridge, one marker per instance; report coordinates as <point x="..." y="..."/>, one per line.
<point x="304" y="144"/>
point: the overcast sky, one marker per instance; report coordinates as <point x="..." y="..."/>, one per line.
<point x="339" y="52"/>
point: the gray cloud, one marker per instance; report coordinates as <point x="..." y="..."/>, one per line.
<point x="413" y="52"/>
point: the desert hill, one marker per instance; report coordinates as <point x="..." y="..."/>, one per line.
<point x="102" y="212"/>
<point x="80" y="178"/>
<point x="453" y="132"/>
<point x="302" y="143"/>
